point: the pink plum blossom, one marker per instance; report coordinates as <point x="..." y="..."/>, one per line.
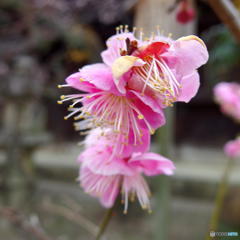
<point x="103" y="105"/>
<point x="232" y="148"/>
<point x="136" y="81"/>
<point x="119" y="143"/>
<point x="104" y="178"/>
<point x="121" y="102"/>
<point x="160" y="68"/>
<point x="228" y="96"/>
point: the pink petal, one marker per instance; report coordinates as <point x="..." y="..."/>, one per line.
<point x="186" y="55"/>
<point x="142" y="147"/>
<point x="228" y="96"/>
<point x="99" y="75"/>
<point x="122" y="146"/>
<point x="76" y="81"/>
<point x="153" y="116"/>
<point x="104" y="187"/>
<point x="92" y="78"/>
<point x="152" y="164"/>
<point x="136" y="185"/>
<point x="114" y="46"/>
<point x="190" y="85"/>
<point x="232" y="148"/>
<point x="99" y="159"/>
<point x="149" y="101"/>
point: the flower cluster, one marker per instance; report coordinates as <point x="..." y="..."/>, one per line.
<point x="228" y="96"/>
<point x="121" y="102"/>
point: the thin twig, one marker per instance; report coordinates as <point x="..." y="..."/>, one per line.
<point x="72" y="216"/>
<point x="220" y="196"/>
<point x="72" y="204"/>
<point x="228" y="13"/>
<point x="105" y="223"/>
<point x="18" y="220"/>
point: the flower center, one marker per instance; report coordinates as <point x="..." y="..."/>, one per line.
<point x="158" y="76"/>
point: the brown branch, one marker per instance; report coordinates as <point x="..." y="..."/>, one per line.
<point x="18" y="220"/>
<point x="229" y="15"/>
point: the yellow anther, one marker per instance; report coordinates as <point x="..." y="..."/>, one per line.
<point x="81" y="79"/>
<point x="88" y="96"/>
<point x="125" y="212"/>
<point x="79" y="117"/>
<point x="59" y="102"/>
<point x="152" y="131"/>
<point x="59" y="86"/>
<point x="62" y="97"/>
<point x="140" y="116"/>
<point x="65" y="118"/>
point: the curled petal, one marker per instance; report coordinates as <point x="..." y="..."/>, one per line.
<point x="124" y="63"/>
<point x="121" y="66"/>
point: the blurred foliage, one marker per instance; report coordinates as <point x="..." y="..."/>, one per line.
<point x="224" y="54"/>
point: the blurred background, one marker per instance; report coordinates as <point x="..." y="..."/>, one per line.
<point x="42" y="42"/>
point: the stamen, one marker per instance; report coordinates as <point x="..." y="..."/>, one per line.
<point x="141" y="33"/>
<point x="117" y="30"/>
<point x="157" y="75"/>
<point x="63" y="85"/>
<point x="121" y="28"/>
<point x="134" y="30"/>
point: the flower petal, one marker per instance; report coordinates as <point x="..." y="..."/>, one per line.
<point x="136" y="185"/>
<point x="152" y="164"/>
<point x="76" y="81"/>
<point x="114" y="45"/>
<point x="99" y="75"/>
<point x="232" y="148"/>
<point x="99" y="159"/>
<point x="92" y="78"/>
<point x="104" y="187"/>
<point x="186" y="54"/>
<point x="190" y="85"/>
<point x="121" y="66"/>
<point x="152" y="102"/>
<point x="151" y="114"/>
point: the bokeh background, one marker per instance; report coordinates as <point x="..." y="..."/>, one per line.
<point x="42" y="42"/>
